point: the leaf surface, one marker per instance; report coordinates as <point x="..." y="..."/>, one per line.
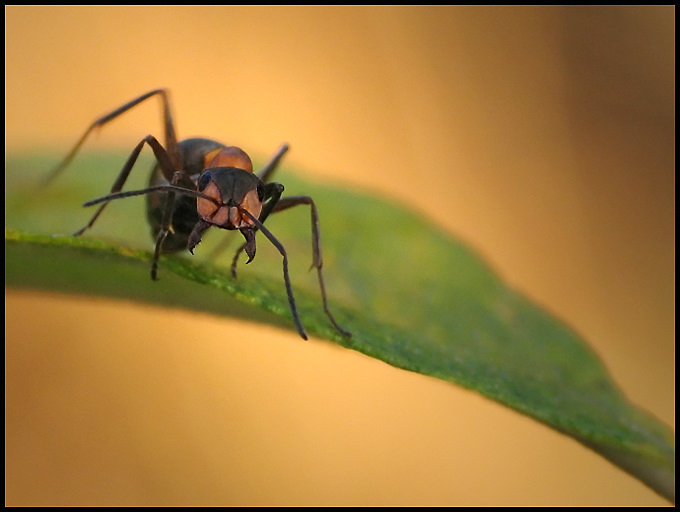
<point x="412" y="295"/>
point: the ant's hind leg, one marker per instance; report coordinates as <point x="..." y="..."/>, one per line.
<point x="168" y="126"/>
<point x="268" y="170"/>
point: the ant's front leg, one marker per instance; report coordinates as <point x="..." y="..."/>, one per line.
<point x="179" y="179"/>
<point x="286" y="277"/>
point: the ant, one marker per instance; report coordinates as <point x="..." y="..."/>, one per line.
<point x="198" y="183"/>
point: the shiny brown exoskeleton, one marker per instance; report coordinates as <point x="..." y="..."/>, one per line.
<point x="198" y="183"/>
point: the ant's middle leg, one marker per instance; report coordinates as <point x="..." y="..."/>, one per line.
<point x="164" y="162"/>
<point x="317" y="259"/>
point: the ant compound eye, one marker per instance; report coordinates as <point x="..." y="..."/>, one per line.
<point x="260" y="192"/>
<point x="203" y="180"/>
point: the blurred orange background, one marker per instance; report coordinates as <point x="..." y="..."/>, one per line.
<point x="543" y="136"/>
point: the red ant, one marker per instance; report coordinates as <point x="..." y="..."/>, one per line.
<point x="198" y="183"/>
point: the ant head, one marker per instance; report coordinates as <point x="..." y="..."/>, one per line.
<point x="233" y="191"/>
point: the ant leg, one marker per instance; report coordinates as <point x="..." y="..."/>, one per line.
<point x="234" y="261"/>
<point x="317" y="262"/>
<point x="164" y="161"/>
<point x="178" y="176"/>
<point x="170" y="136"/>
<point x="169" y="160"/>
<point x="286" y="276"/>
<point x="266" y="172"/>
<point x="164" y="229"/>
<point x="171" y="191"/>
<point x="276" y="204"/>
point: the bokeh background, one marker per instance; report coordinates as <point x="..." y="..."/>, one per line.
<point x="543" y="136"/>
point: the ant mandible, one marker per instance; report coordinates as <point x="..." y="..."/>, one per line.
<point x="198" y="183"/>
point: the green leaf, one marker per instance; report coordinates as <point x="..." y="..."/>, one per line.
<point x="412" y="295"/>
